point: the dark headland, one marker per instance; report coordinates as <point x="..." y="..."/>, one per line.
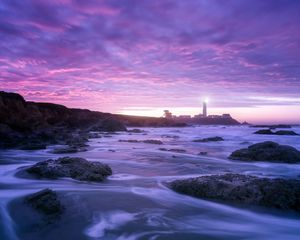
<point x="136" y="152"/>
<point x="33" y="125"/>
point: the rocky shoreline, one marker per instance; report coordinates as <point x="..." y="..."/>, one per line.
<point x="267" y="152"/>
<point x="75" y="168"/>
<point x="32" y="126"/>
<point x="245" y="189"/>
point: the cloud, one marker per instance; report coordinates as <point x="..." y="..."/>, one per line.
<point x="160" y="52"/>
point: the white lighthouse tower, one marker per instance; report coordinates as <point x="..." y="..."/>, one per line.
<point x="205" y="108"/>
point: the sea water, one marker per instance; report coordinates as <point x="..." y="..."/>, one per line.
<point x="134" y="202"/>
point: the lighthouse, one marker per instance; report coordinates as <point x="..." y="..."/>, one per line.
<point x="205" y="108"/>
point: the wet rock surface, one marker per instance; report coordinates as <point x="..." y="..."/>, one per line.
<point x="245" y="189"/>
<point x="177" y="150"/>
<point x="33" y="146"/>
<point x="274" y="126"/>
<point x="286" y="132"/>
<point x="170" y="136"/>
<point x="264" y="131"/>
<point x="67" y="149"/>
<point x="109" y="125"/>
<point x="136" y="130"/>
<point x="202" y="153"/>
<point x="46" y="202"/>
<point x="76" y="168"/>
<point x="210" y="139"/>
<point x="280" y="132"/>
<point x="31" y="125"/>
<point x="129" y="140"/>
<point x="267" y="151"/>
<point x="149" y="141"/>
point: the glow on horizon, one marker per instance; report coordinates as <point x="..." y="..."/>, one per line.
<point x="116" y="56"/>
<point x="256" y="115"/>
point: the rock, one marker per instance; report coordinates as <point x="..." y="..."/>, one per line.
<point x="33" y="146"/>
<point x="272" y="126"/>
<point x="202" y="153"/>
<point x="170" y="136"/>
<point x="113" y="125"/>
<point x="178" y="150"/>
<point x="267" y="151"/>
<point x="237" y="188"/>
<point x="8" y="137"/>
<point x="94" y="135"/>
<point x="67" y="149"/>
<point x="210" y="139"/>
<point x="245" y="142"/>
<point x="141" y="121"/>
<point x="130" y="141"/>
<point x="286" y="132"/>
<point x="23" y="123"/>
<point x="109" y="125"/>
<point x="46" y="202"/>
<point x="264" y="131"/>
<point x="280" y="132"/>
<point x="107" y="136"/>
<point x="77" y="140"/>
<point x="76" y="168"/>
<point x="151" y="141"/>
<point x="136" y="130"/>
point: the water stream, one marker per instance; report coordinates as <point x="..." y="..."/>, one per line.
<point x="134" y="203"/>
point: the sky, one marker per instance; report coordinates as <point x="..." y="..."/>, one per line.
<point x="140" y="57"/>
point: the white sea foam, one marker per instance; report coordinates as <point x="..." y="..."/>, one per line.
<point x="148" y="209"/>
<point x="108" y="221"/>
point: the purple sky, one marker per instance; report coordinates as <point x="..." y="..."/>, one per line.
<point x="142" y="56"/>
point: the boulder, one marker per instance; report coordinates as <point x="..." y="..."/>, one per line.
<point x="94" y="135"/>
<point x="286" y="132"/>
<point x="170" y="136"/>
<point x="177" y="150"/>
<point x="272" y="126"/>
<point x="45" y="202"/>
<point x="210" y="139"/>
<point x="129" y="140"/>
<point x="264" y="131"/>
<point x="113" y="125"/>
<point x="136" y="130"/>
<point x="109" y="125"/>
<point x="33" y="146"/>
<point x="267" y="151"/>
<point x="24" y="123"/>
<point x="244" y="189"/>
<point x="151" y="141"/>
<point x="202" y="153"/>
<point x="280" y="132"/>
<point x="67" y="149"/>
<point x="76" y="168"/>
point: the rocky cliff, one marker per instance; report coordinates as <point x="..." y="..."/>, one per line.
<point x="24" y="124"/>
<point x="33" y="125"/>
<point x="24" y="116"/>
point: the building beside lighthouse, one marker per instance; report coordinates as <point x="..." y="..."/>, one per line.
<point x="203" y="118"/>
